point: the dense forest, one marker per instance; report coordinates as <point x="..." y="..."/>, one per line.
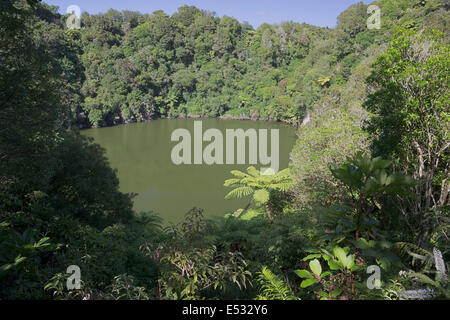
<point x="368" y="184"/>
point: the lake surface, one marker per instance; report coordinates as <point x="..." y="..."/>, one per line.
<point x="141" y="152"/>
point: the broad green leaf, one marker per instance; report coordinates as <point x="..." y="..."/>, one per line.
<point x="326" y="273"/>
<point x="335" y="293"/>
<point x="304" y="274"/>
<point x="323" y="294"/>
<point x="312" y="256"/>
<point x="333" y="264"/>
<point x="316" y="267"/>
<point x="350" y="261"/>
<point x="340" y="254"/>
<point x="308" y="282"/>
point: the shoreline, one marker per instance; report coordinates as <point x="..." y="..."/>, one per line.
<point x="198" y="117"/>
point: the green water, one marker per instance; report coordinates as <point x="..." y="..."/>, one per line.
<point x="141" y="152"/>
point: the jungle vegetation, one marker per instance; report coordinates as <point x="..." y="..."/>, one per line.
<point x="369" y="180"/>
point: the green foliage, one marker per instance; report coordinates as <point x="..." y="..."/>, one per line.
<point x="124" y="288"/>
<point x="322" y="141"/>
<point x="60" y="202"/>
<point x="369" y="176"/>
<point x="20" y="259"/>
<point x="261" y="185"/>
<point x="350" y="23"/>
<point x="411" y="117"/>
<point x="434" y="288"/>
<point x="367" y="181"/>
<point x="325" y="81"/>
<point x="193" y="268"/>
<point x="273" y="288"/>
<point x="338" y="281"/>
<point x="190" y="63"/>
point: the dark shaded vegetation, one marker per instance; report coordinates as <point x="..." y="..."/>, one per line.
<point x="368" y="183"/>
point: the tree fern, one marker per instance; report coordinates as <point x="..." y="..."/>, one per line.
<point x="260" y="185"/>
<point x="253" y="172"/>
<point x="232" y="182"/>
<point x="239" y="192"/>
<point x="239" y="174"/>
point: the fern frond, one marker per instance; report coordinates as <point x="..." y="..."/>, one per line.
<point x="232" y="182"/>
<point x="423" y="278"/>
<point x="284" y="173"/>
<point x="240" y="192"/>
<point x="239" y="174"/>
<point x="253" y="172"/>
<point x="273" y="288"/>
<point x="416" y="252"/>
<point x="282" y="186"/>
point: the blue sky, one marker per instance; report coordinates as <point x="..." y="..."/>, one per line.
<point x="321" y="13"/>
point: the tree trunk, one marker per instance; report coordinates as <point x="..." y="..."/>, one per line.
<point x="269" y="215"/>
